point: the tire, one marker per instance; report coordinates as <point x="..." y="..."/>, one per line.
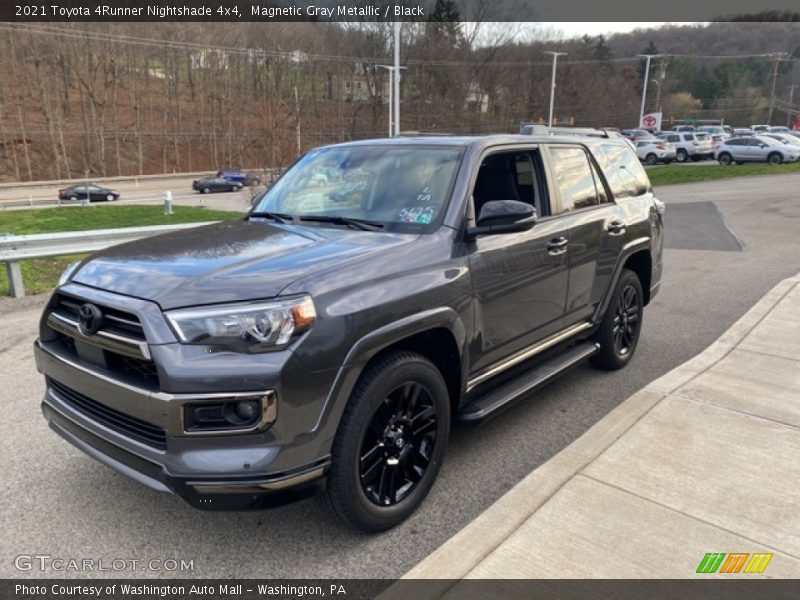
<point x="110" y="198"/>
<point x="376" y="430"/>
<point x="682" y="156"/>
<point x="618" y="344"/>
<point x="73" y="198"/>
<point x="775" y="158"/>
<point x="651" y="159"/>
<point x="236" y="188"/>
<point x="206" y="190"/>
<point x="725" y="159"/>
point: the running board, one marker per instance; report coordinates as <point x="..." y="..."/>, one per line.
<point x="505" y="395"/>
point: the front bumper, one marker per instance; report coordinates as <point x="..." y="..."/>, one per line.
<point x="209" y="472"/>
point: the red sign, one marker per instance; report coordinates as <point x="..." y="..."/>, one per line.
<point x="796" y="125"/>
<point x="649" y="121"/>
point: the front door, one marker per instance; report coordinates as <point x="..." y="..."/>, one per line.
<point x="519" y="279"/>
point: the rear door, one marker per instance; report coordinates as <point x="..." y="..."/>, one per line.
<point x="595" y="224"/>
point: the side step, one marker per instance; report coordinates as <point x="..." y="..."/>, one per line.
<point x="505" y="395"/>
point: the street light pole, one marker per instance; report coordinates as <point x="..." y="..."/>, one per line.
<point x="396" y="74"/>
<point x="553" y="83"/>
<point x="390" y="69"/>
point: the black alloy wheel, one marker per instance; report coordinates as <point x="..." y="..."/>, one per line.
<point x="626" y="321"/>
<point x="398" y="444"/>
<point x="390" y="442"/>
<point x="619" y="330"/>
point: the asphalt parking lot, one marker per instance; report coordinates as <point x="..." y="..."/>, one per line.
<point x="56" y="501"/>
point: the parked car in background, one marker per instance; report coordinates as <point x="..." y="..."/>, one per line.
<point x="689" y="145"/>
<point x="240" y="176"/>
<point x="757" y="148"/>
<point x="636" y="134"/>
<point x="728" y="129"/>
<point x="216" y="184"/>
<point x="779" y="129"/>
<point x="683" y="128"/>
<point x="95" y="193"/>
<point x="742" y="132"/>
<point x="784" y="138"/>
<point x="654" y="151"/>
<point x="717" y="132"/>
<point x="759" y="128"/>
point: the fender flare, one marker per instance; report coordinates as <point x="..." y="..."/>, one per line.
<point x="632" y="247"/>
<point x="372" y="343"/>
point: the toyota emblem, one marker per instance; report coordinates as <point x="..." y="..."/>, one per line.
<point x="91" y="319"/>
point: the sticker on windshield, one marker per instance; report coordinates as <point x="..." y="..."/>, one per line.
<point x="420" y="215"/>
<point x="425" y="195"/>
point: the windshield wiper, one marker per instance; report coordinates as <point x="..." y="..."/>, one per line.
<point x="362" y="224"/>
<point x="279" y="217"/>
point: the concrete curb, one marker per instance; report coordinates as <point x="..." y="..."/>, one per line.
<point x="465" y="550"/>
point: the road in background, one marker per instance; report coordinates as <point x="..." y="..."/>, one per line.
<point x="57" y="501"/>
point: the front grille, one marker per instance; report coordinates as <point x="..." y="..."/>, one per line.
<point x="129" y="426"/>
<point x="116" y="321"/>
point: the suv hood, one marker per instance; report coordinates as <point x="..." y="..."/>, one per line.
<point x="227" y="262"/>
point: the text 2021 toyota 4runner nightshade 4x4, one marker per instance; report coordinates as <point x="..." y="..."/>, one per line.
<point x="377" y="291"/>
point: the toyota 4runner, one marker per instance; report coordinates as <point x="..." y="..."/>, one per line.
<point x="325" y="342"/>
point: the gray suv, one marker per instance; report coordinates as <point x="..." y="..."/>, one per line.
<point x="327" y="340"/>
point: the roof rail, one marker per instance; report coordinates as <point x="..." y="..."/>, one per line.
<point x="422" y="133"/>
<point x="537" y="129"/>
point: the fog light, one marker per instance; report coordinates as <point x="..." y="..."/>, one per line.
<point x="253" y="413"/>
<point x="247" y="410"/>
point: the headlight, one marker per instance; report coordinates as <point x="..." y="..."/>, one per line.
<point x="67" y="273"/>
<point x="248" y="327"/>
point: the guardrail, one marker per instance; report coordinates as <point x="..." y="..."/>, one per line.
<point x="15" y="248"/>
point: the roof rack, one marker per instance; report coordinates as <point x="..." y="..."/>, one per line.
<point x="537" y="129"/>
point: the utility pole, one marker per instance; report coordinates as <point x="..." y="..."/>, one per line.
<point x="789" y="112"/>
<point x="396" y="74"/>
<point x="553" y="83"/>
<point x="776" y="59"/>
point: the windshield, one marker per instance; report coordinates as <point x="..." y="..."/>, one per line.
<point x="405" y="188"/>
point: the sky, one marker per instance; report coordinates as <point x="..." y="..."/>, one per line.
<point x="574" y="30"/>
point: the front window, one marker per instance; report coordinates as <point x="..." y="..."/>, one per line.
<point x="404" y="188"/>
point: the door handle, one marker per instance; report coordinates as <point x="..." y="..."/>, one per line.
<point x="616" y="228"/>
<point x="557" y="246"/>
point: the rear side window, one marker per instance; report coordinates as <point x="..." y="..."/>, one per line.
<point x="625" y="175"/>
<point x="575" y="178"/>
<point x="688" y="137"/>
<point x="673" y="138"/>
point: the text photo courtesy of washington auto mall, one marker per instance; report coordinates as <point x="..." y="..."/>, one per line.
<point x="431" y="299"/>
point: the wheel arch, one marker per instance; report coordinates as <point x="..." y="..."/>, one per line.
<point x="636" y="256"/>
<point x="438" y="334"/>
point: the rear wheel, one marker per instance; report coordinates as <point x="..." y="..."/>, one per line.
<point x="651" y="159"/>
<point x="619" y="331"/>
<point x="390" y="443"/>
<point x="725" y="159"/>
<point x="775" y="158"/>
<point x="682" y="155"/>
<point x="73" y="198"/>
<point x="206" y="190"/>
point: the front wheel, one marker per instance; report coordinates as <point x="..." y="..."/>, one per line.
<point x="206" y="190"/>
<point x="390" y="443"/>
<point x="619" y="331"/>
<point x="110" y="198"/>
<point x="775" y="158"/>
<point x="682" y="156"/>
<point x="651" y="159"/>
<point x="725" y="159"/>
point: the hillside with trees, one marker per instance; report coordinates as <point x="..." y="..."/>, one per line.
<point x="138" y="98"/>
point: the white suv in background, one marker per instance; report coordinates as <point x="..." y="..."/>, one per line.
<point x="689" y="145"/>
<point x="653" y="151"/>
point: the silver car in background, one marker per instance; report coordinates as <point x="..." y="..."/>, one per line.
<point x="689" y="145"/>
<point x="757" y="148"/>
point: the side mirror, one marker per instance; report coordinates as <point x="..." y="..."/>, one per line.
<point x="504" y="216"/>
